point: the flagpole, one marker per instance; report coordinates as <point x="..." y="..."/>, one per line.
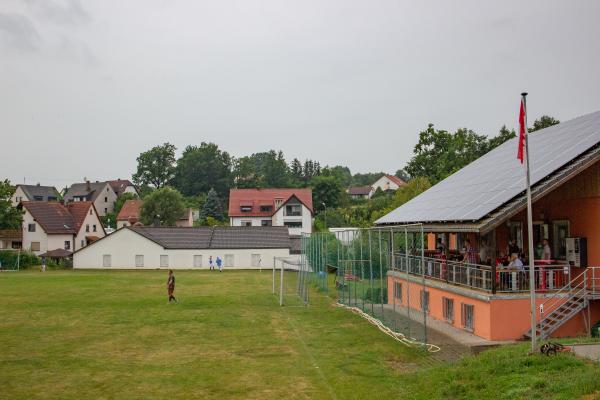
<point x="530" y="234"/>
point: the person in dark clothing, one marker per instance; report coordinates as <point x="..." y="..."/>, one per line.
<point x="171" y="286"/>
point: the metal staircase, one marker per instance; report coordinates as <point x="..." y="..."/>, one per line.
<point x="568" y="302"/>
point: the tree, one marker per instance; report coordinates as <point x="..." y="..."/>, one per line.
<point x="10" y="217"/>
<point x="203" y="167"/>
<point x="402" y="174"/>
<point x="296" y="171"/>
<point x="544" y="122"/>
<point x="413" y="188"/>
<point x="266" y="169"/>
<point x="121" y="199"/>
<point x="211" y="208"/>
<point x="327" y="190"/>
<point x="342" y="174"/>
<point x="156" y="166"/>
<point x="164" y="205"/>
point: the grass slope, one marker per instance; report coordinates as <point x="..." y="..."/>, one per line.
<point x="106" y="335"/>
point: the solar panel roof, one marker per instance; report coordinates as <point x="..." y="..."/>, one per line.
<point x="495" y="178"/>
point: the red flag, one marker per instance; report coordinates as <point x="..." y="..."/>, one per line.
<point x="522" y="133"/>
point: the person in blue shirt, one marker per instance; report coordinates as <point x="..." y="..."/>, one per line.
<point x="219" y="263"/>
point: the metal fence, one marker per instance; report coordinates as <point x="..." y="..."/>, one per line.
<point x="352" y="266"/>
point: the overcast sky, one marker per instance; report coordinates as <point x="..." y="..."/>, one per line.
<point x="86" y="86"/>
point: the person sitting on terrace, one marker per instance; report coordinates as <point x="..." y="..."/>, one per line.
<point x="470" y="253"/>
<point x="515" y="262"/>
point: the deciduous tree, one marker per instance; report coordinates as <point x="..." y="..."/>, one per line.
<point x="156" y="167"/>
<point x="10" y="217"/>
<point x="163" y="206"/>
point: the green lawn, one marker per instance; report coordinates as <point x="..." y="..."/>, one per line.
<point x="107" y="335"/>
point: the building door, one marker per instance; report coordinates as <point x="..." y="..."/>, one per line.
<point x="256" y="260"/>
<point x="560" y="234"/>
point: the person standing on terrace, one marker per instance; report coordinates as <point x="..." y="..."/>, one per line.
<point x="470" y="253"/>
<point x="546" y="253"/>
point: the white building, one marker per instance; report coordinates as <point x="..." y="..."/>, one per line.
<point x="292" y="208"/>
<point x="149" y="247"/>
<point x="387" y="183"/>
<point x="100" y="193"/>
<point x="121" y="186"/>
<point x="34" y="193"/>
<point x="50" y="226"/>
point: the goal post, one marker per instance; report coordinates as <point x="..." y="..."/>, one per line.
<point x="289" y="281"/>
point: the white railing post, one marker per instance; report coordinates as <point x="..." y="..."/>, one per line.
<point x="468" y="276"/>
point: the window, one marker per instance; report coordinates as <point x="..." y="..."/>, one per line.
<point x="139" y="261"/>
<point x="228" y="260"/>
<point x="278" y="202"/>
<point x="467" y="315"/>
<point x="516" y="232"/>
<point x="164" y="261"/>
<point x="16" y="245"/>
<point x="106" y="199"/>
<point x="35" y="246"/>
<point x="18" y="199"/>
<point x="398" y="291"/>
<point x="246" y="208"/>
<point x="293" y="210"/>
<point x="448" y="309"/>
<point x="293" y="224"/>
<point x="82" y="243"/>
<point x="38" y="198"/>
<point x="105" y="210"/>
<point x="94" y="227"/>
<point x="246" y="223"/>
<point x="52" y="198"/>
<point x="256" y="260"/>
<point x="106" y="261"/>
<point x="91" y="212"/>
<point x="197" y="261"/>
<point x="67" y="245"/>
<point x="87" y="228"/>
<point x="559" y="243"/>
<point x="424" y="301"/>
<point x="31" y="227"/>
<point x="266" y="222"/>
<point x="266" y="208"/>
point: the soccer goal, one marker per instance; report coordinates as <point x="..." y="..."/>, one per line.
<point x="290" y="281"/>
<point x="11" y="265"/>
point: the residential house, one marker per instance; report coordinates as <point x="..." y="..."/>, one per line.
<point x="51" y="225"/>
<point x="186" y="219"/>
<point x="360" y="192"/>
<point x="121" y="186"/>
<point x="130" y="215"/>
<point x="292" y="208"/>
<point x="34" y="193"/>
<point x="151" y="247"/>
<point x="100" y="193"/>
<point x="485" y="203"/>
<point x="11" y="239"/>
<point x="387" y="183"/>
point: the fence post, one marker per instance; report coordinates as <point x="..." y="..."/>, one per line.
<point x="281" y="286"/>
<point x="494" y="269"/>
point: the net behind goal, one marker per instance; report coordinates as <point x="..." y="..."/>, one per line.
<point x="290" y="282"/>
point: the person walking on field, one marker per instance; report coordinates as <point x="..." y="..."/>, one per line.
<point x="43" y="263"/>
<point x="219" y="263"/>
<point x="210" y="263"/>
<point x="171" y="286"/>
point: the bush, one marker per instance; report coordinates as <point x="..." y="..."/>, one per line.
<point x="8" y="258"/>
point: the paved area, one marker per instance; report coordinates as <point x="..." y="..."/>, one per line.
<point x="591" y="351"/>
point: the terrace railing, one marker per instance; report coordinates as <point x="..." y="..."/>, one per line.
<point x="483" y="277"/>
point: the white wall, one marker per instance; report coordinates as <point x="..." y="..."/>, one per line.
<point x="279" y="219"/>
<point x="256" y="221"/>
<point x="90" y="220"/>
<point x="385" y="184"/>
<point x="18" y="196"/>
<point x="124" y="245"/>
<point x="109" y="204"/>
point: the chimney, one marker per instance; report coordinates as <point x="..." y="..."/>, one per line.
<point x="87" y="186"/>
<point x="38" y="184"/>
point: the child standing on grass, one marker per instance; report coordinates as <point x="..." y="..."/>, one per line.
<point x="43" y="263"/>
<point x="219" y="263"/>
<point x="210" y="263"/>
<point x="171" y="286"/>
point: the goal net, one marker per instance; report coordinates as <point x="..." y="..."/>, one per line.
<point x="290" y="282"/>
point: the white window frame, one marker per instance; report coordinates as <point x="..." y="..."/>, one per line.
<point x="229" y="260"/>
<point x="164" y="261"/>
<point x="197" y="260"/>
<point x="106" y="261"/>
<point x="466" y="322"/>
<point x="139" y="261"/>
<point x="448" y="309"/>
<point x="256" y="260"/>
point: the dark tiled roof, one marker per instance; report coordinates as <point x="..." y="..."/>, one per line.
<point x="359" y="191"/>
<point x="52" y="216"/>
<point x="246" y="237"/>
<point x="82" y="190"/>
<point x="57" y="253"/>
<point x="223" y="237"/>
<point x="120" y="185"/>
<point x="36" y="190"/>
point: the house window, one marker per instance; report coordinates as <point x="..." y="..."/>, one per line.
<point x="293" y="210"/>
<point x="91" y="211"/>
<point x="82" y="243"/>
<point x="31" y="227"/>
<point x="106" y="199"/>
<point x="424" y="301"/>
<point x="197" y="261"/>
<point x="293" y="224"/>
<point x="164" y="261"/>
<point x="266" y="222"/>
<point x="246" y="208"/>
<point x="559" y="242"/>
<point x="278" y="202"/>
<point x="448" y="309"/>
<point x="246" y="223"/>
<point x="94" y="227"/>
<point x="67" y="245"/>
<point x="256" y="260"/>
<point x="228" y="260"/>
<point x="266" y="208"/>
<point x="515" y="229"/>
<point x="16" y="245"/>
<point x="38" y="198"/>
<point x="139" y="261"/>
<point x="106" y="261"/>
<point x="35" y="246"/>
<point x="398" y="291"/>
<point x="87" y="228"/>
<point x="105" y="210"/>
<point x="52" y="198"/>
<point x="467" y="316"/>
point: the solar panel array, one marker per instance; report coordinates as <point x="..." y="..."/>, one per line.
<point x="495" y="178"/>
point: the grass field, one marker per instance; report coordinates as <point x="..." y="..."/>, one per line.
<point x="111" y="335"/>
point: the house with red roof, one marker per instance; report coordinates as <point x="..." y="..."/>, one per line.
<point x="289" y="207"/>
<point x="387" y="183"/>
<point x="51" y="225"/>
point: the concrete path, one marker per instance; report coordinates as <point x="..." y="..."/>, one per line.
<point x="591" y="351"/>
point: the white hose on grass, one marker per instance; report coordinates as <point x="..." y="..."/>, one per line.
<point x="431" y="348"/>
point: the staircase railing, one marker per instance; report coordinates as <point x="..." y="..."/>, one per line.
<point x="578" y="288"/>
